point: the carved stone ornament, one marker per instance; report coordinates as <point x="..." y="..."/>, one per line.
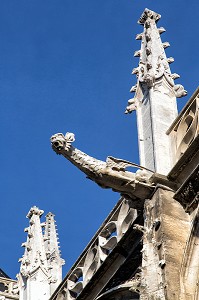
<point x="110" y="174"/>
<point x="148" y="14"/>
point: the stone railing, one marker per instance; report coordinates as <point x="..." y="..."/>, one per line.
<point x="102" y="244"/>
<point x="185" y="128"/>
<point x="8" y="289"/>
<point x="185" y="146"/>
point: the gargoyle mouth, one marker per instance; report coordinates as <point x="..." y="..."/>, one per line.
<point x="57" y="145"/>
<point x="58" y="142"/>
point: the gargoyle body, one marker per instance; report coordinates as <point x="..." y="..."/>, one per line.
<point x="110" y="174"/>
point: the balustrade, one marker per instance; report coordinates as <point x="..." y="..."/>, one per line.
<point x="185" y="128"/>
<point x="103" y="243"/>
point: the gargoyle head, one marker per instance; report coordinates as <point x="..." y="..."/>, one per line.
<point x="60" y="142"/>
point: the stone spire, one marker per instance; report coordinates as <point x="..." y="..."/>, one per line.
<point x="54" y="260"/>
<point x="155" y="96"/>
<point x="36" y="271"/>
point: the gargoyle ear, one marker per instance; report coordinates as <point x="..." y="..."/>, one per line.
<point x="70" y="137"/>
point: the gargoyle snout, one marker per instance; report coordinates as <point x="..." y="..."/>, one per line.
<point x="57" y="142"/>
<point x="57" y="145"/>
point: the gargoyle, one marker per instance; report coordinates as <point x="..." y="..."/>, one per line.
<point x="110" y="174"/>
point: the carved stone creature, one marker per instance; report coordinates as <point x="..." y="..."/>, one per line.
<point x="109" y="174"/>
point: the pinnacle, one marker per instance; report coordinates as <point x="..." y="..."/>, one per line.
<point x="50" y="214"/>
<point x="153" y="63"/>
<point x="41" y="249"/>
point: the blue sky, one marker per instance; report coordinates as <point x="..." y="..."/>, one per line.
<point x="66" y="66"/>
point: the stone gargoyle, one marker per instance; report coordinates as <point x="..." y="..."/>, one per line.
<point x="110" y="174"/>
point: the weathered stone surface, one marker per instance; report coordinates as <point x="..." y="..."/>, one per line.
<point x="155" y="97"/>
<point x="189" y="272"/>
<point x="167" y="227"/>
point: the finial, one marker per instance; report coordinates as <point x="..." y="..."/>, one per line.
<point x="148" y="14"/>
<point x="34" y="210"/>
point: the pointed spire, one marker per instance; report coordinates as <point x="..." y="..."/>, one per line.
<point x="34" y="254"/>
<point x="55" y="262"/>
<point x="34" y="274"/>
<point x="155" y="95"/>
<point x="36" y="261"/>
<point x="50" y="234"/>
<point x="153" y="64"/>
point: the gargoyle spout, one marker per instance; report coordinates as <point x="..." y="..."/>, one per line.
<point x="110" y="174"/>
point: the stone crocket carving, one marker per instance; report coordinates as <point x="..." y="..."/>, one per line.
<point x="110" y="174"/>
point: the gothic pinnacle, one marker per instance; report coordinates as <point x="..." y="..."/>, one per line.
<point x="153" y="66"/>
<point x="41" y="255"/>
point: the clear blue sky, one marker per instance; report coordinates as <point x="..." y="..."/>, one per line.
<point x="66" y="66"/>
